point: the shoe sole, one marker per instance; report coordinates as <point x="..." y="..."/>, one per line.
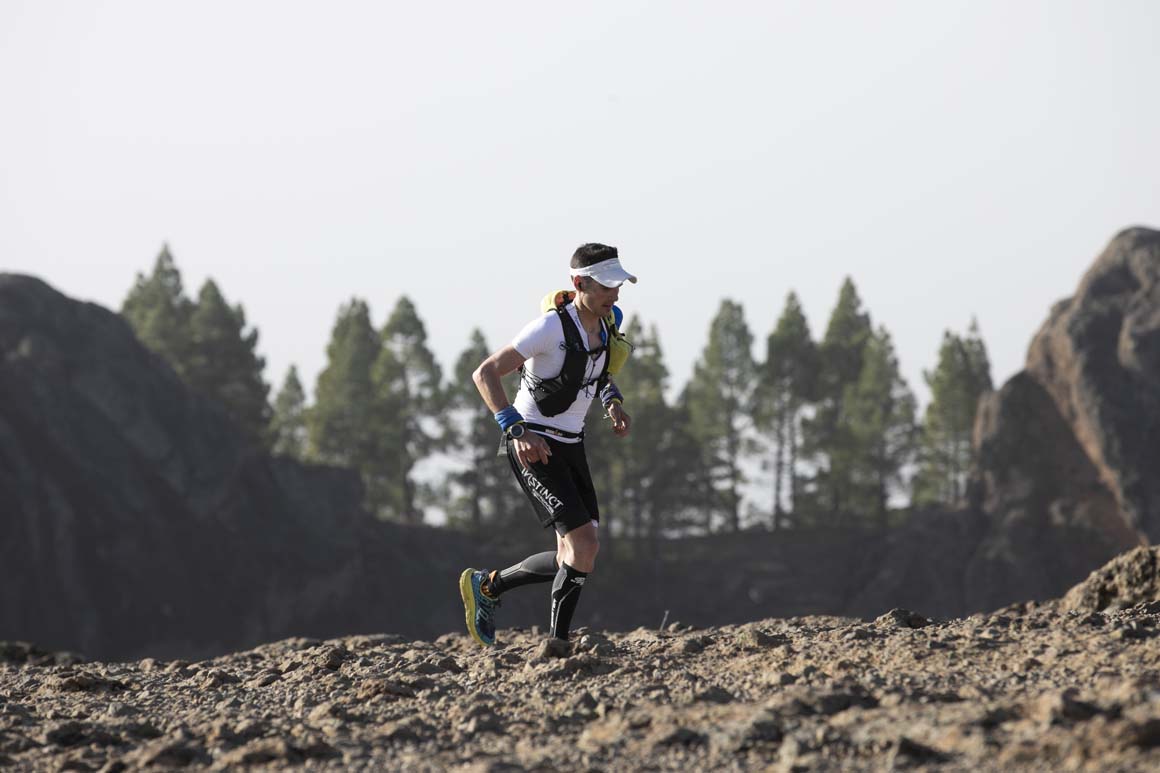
<point x="467" y="593"/>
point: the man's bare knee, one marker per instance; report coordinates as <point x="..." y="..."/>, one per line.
<point x="579" y="548"/>
<point x="586" y="548"/>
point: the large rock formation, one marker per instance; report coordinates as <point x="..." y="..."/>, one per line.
<point x="1068" y="449"/>
<point x="1050" y="518"/>
<point x="1067" y="454"/>
<point x="1098" y="357"/>
<point x="135" y="517"/>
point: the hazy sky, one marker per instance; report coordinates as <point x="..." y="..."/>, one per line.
<point x="954" y="158"/>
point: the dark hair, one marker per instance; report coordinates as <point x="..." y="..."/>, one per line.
<point x="591" y="253"/>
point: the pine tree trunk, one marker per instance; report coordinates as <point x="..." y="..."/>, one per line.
<point x="606" y="536"/>
<point x="637" y="512"/>
<point x="638" y="531"/>
<point x="710" y="499"/>
<point x="734" y="523"/>
<point x="652" y="534"/>
<point x="734" y="497"/>
<point x="409" y="513"/>
<point x="476" y="496"/>
<point x="883" y="511"/>
<point x="793" y="443"/>
<point x="952" y="471"/>
<point x="837" y="500"/>
<point x="778" y="469"/>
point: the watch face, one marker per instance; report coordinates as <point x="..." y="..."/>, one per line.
<point x="516" y="431"/>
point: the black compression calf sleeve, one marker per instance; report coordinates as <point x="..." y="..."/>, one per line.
<point x="566" y="589"/>
<point x="534" y="569"/>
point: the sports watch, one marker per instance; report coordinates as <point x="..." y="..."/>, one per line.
<point x="517" y="430"/>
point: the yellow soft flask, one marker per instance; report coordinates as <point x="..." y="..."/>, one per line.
<point x="556" y="298"/>
<point x="619" y="347"/>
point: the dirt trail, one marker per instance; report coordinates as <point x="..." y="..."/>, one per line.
<point x="1031" y="687"/>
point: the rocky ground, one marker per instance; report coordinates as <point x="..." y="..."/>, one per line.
<point x="1052" y="686"/>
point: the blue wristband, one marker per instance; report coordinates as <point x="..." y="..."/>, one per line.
<point x="507" y="417"/>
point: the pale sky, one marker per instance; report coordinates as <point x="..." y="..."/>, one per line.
<point x="954" y="158"/>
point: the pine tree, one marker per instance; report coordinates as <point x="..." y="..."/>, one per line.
<point x="482" y="493"/>
<point x="628" y="469"/>
<point x="961" y="377"/>
<point x="685" y="492"/>
<point x="881" y="411"/>
<point x="643" y="384"/>
<point x="662" y="459"/>
<point x="224" y="364"/>
<point x="159" y="313"/>
<point x="980" y="362"/>
<point x="407" y="388"/>
<point x="288" y="432"/>
<point x="719" y="401"/>
<point x="341" y="425"/>
<point x="827" y="437"/>
<point x="786" y="383"/>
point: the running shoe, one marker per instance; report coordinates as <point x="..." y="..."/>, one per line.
<point x="480" y="607"/>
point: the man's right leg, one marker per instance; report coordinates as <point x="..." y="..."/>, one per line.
<point x="478" y="606"/>
<point x="480" y="590"/>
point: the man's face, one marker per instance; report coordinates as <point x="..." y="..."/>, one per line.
<point x="598" y="297"/>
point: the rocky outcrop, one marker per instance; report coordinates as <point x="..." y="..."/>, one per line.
<point x="136" y="518"/>
<point x="1050" y="518"/>
<point x="1066" y="457"/>
<point x="1098" y="357"/>
<point x="1127" y="581"/>
<point x="1067" y="450"/>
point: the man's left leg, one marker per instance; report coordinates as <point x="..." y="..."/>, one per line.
<point x="577" y="544"/>
<point x="577" y="550"/>
<point x="552" y="491"/>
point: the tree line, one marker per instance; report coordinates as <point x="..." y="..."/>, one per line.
<point x="829" y="425"/>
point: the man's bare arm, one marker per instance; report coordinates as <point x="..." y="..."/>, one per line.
<point x="487" y="377"/>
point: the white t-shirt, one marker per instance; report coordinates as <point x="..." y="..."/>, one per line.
<point x="542" y="343"/>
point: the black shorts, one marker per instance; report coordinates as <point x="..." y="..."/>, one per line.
<point x="560" y="490"/>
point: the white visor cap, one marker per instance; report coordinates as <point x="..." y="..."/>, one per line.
<point x="607" y="272"/>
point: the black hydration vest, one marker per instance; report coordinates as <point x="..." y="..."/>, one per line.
<point x="553" y="396"/>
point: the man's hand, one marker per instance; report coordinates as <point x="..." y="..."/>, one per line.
<point x="621" y="421"/>
<point x="532" y="448"/>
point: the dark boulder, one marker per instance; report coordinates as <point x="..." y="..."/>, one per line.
<point x="1098" y="357"/>
<point x="1066" y="458"/>
<point x="136" y="518"/>
<point x="1050" y="519"/>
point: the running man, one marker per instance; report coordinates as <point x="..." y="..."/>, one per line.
<point x="565" y="356"/>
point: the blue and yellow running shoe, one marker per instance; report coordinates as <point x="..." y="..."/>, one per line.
<point x="480" y="607"/>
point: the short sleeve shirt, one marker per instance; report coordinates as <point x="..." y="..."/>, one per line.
<point x="541" y="342"/>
